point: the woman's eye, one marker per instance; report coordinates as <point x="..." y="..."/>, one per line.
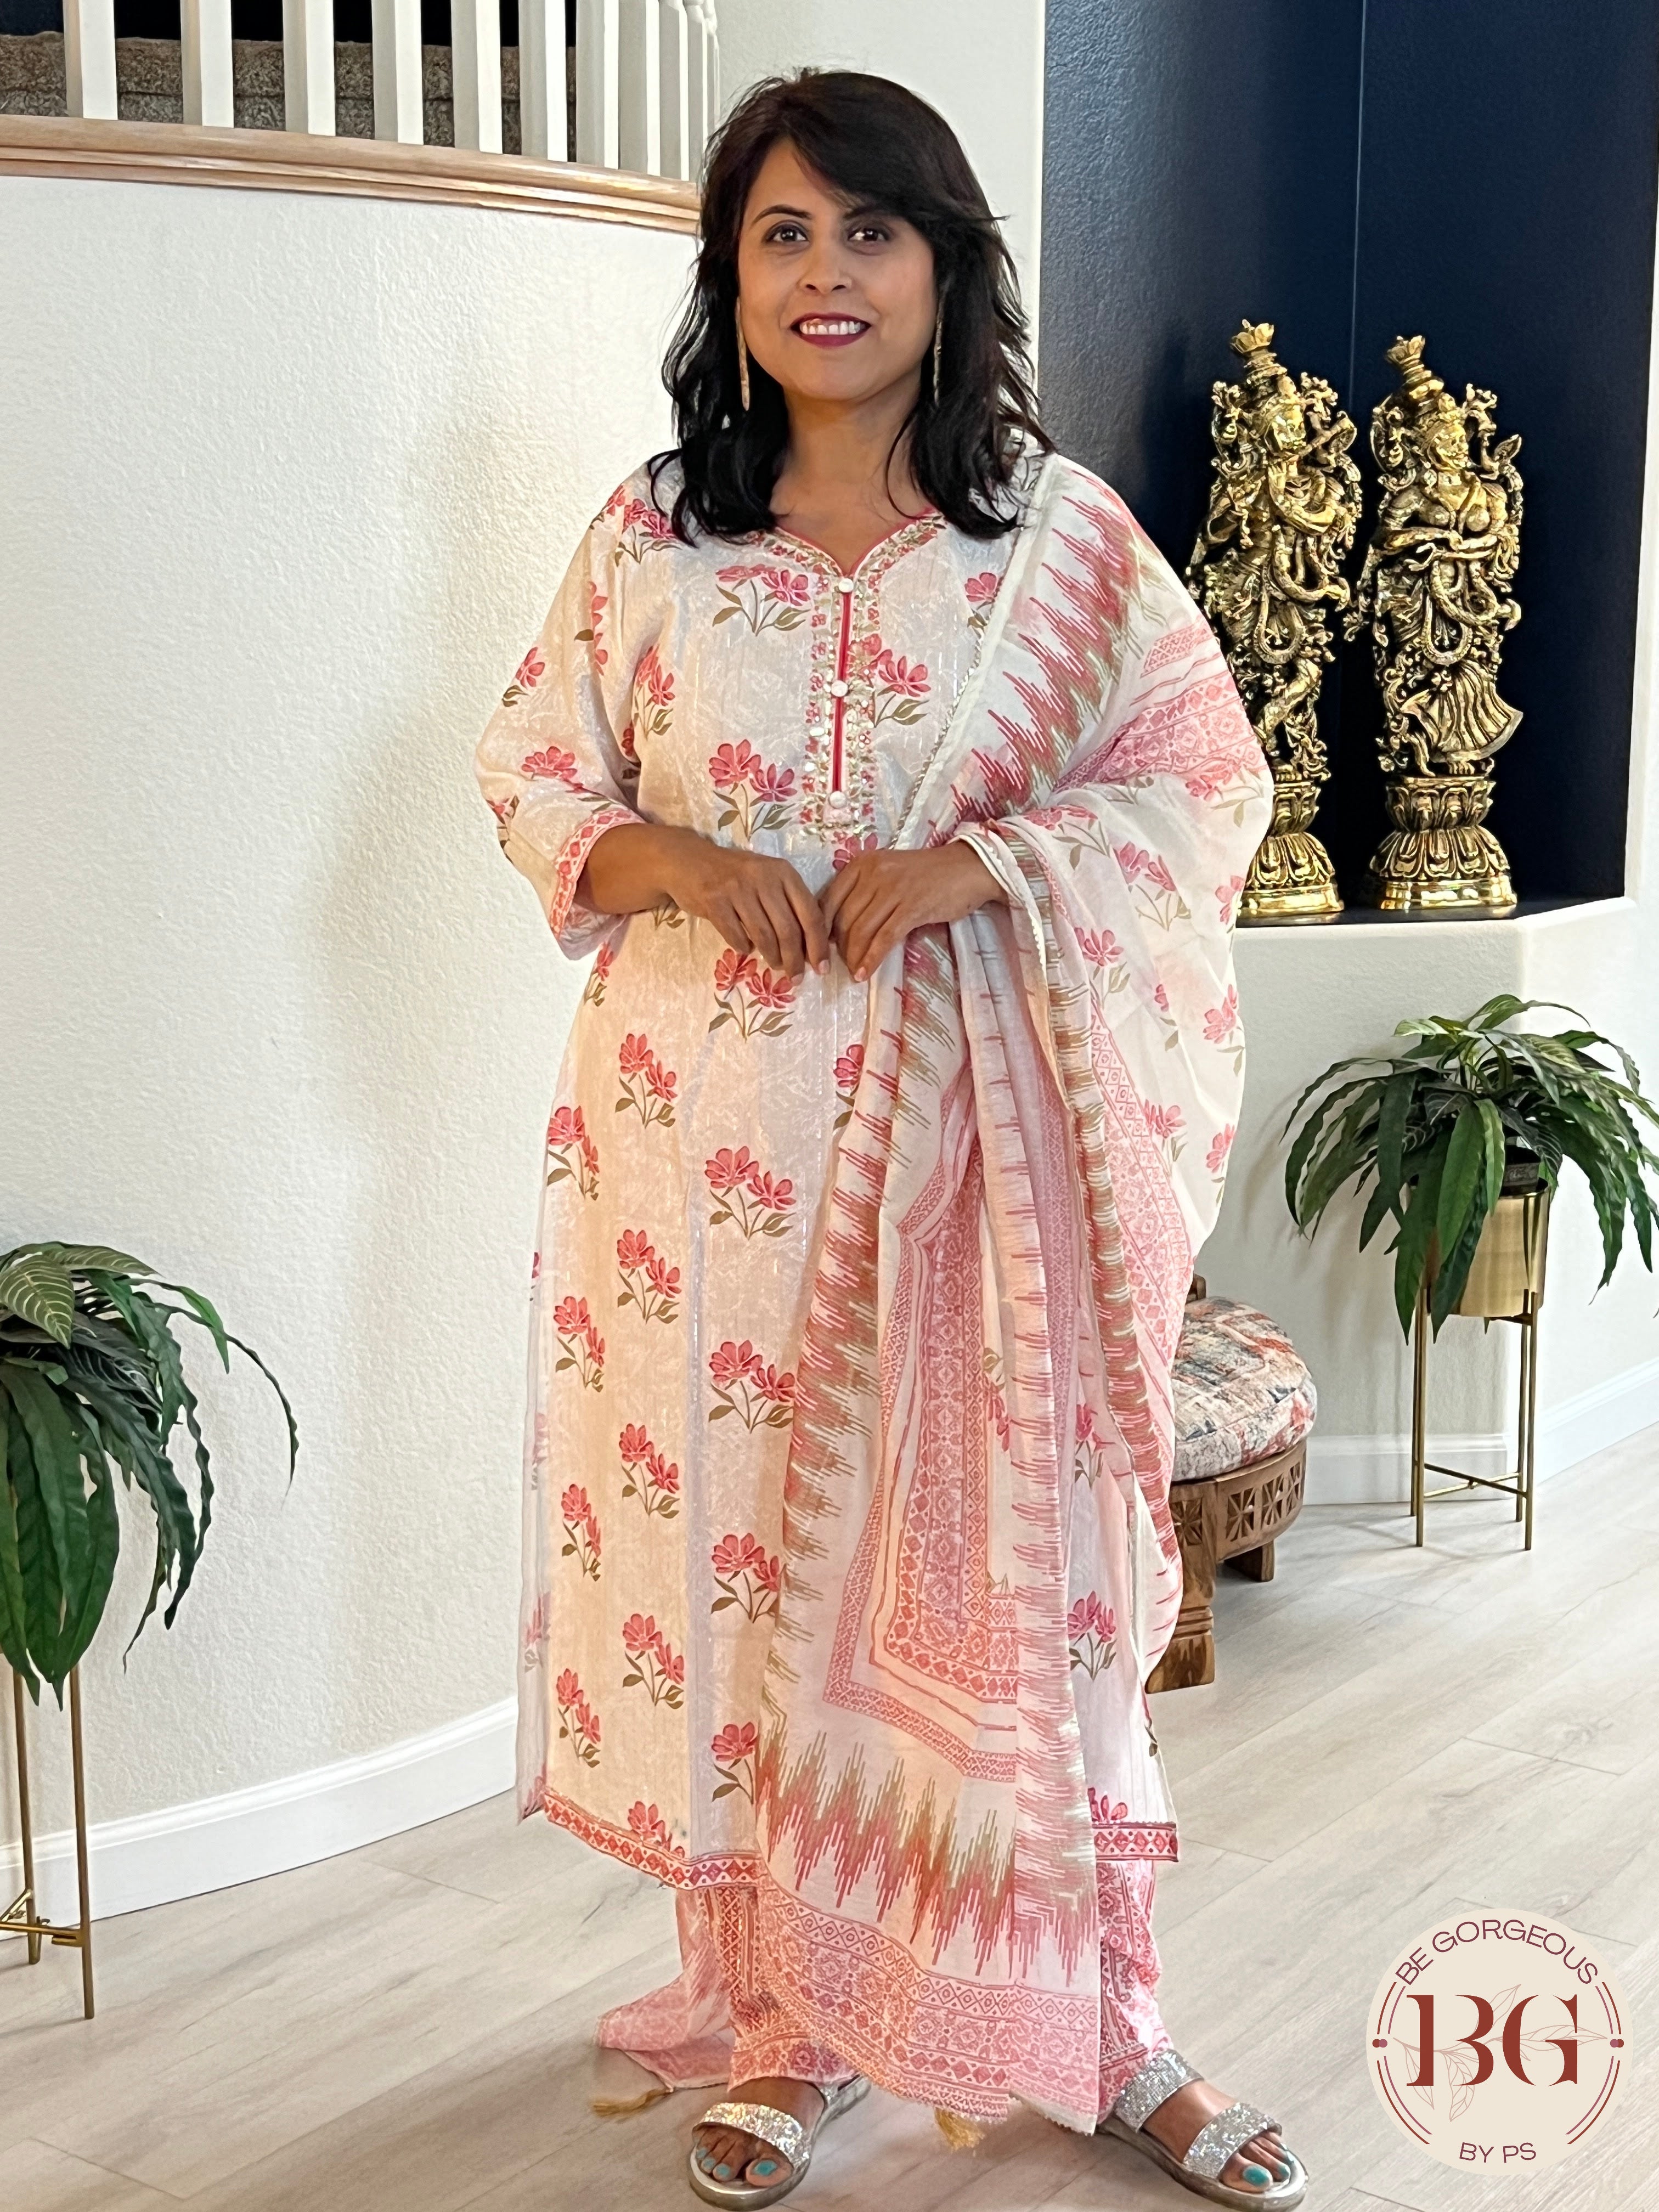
<point x="785" y="234"/>
<point x="878" y="233"/>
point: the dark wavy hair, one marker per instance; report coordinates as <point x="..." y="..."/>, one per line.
<point x="883" y="147"/>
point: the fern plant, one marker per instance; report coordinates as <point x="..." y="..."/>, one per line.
<point x="92" y="1386"/>
<point x="1467" y="1109"/>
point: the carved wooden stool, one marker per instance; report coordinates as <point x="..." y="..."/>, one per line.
<point x="1244" y="1404"/>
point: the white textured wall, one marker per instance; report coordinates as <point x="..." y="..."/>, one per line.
<point x="979" y="62"/>
<point x="288" y="483"/>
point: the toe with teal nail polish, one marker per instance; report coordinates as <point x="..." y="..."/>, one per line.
<point x="1257" y="2176"/>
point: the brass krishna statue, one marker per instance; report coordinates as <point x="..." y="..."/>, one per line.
<point x="1267" y="570"/>
<point x="1434" y="592"/>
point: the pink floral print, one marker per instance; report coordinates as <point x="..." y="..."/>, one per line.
<point x="743" y="1384"/>
<point x="734" y="1749"/>
<point x="981" y="591"/>
<point x="1220" y="1144"/>
<point x="582" y="1531"/>
<point x="553" y="764"/>
<point x="759" y="1203"/>
<point x="653" y="702"/>
<point x="1157" y="893"/>
<point x="580" y="1345"/>
<point x="752" y="995"/>
<point x="996" y="1394"/>
<point x="530" y="673"/>
<point x="645" y="1822"/>
<point x="1166" y="1124"/>
<point x="849" y="1069"/>
<point x="657" y="1667"/>
<point x="1089" y="1459"/>
<point x="578" y="1722"/>
<point x="848" y="847"/>
<point x="599" y="975"/>
<point x="1102" y="950"/>
<point x="747" y="1576"/>
<point x="572" y="1152"/>
<point x="898" y="686"/>
<point x="648" y="1476"/>
<point x="1226" y="896"/>
<point x="645" y="529"/>
<point x="535" y="1633"/>
<point x="1091" y="1635"/>
<point x="1221" y="1027"/>
<point x="647" y="1087"/>
<point x="648" y="1282"/>
<point x="767" y="598"/>
<point x="593" y="633"/>
<point x="757" y="797"/>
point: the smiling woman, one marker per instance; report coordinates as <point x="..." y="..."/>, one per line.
<point x="901" y="796"/>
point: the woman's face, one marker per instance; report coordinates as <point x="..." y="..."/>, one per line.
<point x="837" y="300"/>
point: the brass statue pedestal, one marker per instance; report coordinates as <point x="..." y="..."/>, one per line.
<point x="1505" y="1282"/>
<point x="1290" y="878"/>
<point x="1438" y="860"/>
<point x="22" y="1917"/>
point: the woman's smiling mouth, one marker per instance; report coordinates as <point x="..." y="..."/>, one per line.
<point x="829" y="330"/>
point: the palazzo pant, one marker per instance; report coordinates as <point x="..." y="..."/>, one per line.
<point x="718" y="1932"/>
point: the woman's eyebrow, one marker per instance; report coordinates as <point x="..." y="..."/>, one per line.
<point x="799" y="214"/>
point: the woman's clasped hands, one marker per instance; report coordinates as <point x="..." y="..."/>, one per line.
<point x="761" y="904"/>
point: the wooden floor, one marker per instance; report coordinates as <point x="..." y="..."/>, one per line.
<point x="406" y="2029"/>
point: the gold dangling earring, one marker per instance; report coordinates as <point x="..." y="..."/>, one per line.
<point x="939" y="346"/>
<point x="742" y="361"/>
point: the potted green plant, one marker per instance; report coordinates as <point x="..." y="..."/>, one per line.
<point x="92" y="1387"/>
<point x="1469" y="1112"/>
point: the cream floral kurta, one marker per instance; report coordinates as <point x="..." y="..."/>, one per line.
<point x="754" y="693"/>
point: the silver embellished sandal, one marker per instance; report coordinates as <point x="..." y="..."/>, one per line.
<point x="786" y="2134"/>
<point x="1199" y="2168"/>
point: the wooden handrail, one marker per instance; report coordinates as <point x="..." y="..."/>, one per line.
<point x="361" y="168"/>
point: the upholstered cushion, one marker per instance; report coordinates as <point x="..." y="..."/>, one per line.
<point x="1241" y="1392"/>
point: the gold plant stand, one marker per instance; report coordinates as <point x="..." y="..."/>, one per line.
<point x="23" y="1917"/>
<point x="1506" y="1283"/>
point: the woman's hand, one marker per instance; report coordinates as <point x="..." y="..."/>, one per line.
<point x="875" y="902"/>
<point x="758" y="904"/>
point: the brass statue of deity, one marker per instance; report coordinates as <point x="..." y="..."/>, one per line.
<point x="1434" y="593"/>
<point x="1266" y="570"/>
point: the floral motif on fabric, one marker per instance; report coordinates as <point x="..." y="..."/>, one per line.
<point x="592" y="633"/>
<point x="766" y="598"/>
<point x="581" y="1529"/>
<point x="572" y="1152"/>
<point x="649" y="1474"/>
<point x="647" y="1087"/>
<point x="580" y="1345"/>
<point x="578" y="1724"/>
<point x="732" y="1750"/>
<point x="655" y="1666"/>
<point x="760" y="1204"/>
<point x="648" y="1283"/>
<point x="746" y="1576"/>
<point x="749" y="995"/>
<point x="741" y="1382"/>
<point x="755" y="797"/>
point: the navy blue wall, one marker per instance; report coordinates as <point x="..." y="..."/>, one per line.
<point x="1483" y="170"/>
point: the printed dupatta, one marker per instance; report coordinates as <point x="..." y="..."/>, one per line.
<point x="976" y="1505"/>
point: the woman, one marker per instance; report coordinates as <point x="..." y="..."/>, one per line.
<point x="903" y="798"/>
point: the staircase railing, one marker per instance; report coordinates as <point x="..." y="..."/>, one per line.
<point x="647" y="75"/>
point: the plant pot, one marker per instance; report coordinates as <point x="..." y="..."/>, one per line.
<point x="1509" y="1261"/>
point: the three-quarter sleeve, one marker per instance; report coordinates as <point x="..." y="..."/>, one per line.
<point x="551" y="764"/>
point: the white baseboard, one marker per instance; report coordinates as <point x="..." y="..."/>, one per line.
<point x="187" y="1850"/>
<point x="1376" y="1470"/>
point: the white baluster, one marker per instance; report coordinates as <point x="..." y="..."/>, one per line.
<point x="399" y="113"/>
<point x="89" y="57"/>
<point x="308" y="65"/>
<point x="639" y="87"/>
<point x="542" y="98"/>
<point x="474" y="36"/>
<point x="700" y="116"/>
<point x="709" y="17"/>
<point x="597" y="87"/>
<point x="671" y="36"/>
<point x="204" y="61"/>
